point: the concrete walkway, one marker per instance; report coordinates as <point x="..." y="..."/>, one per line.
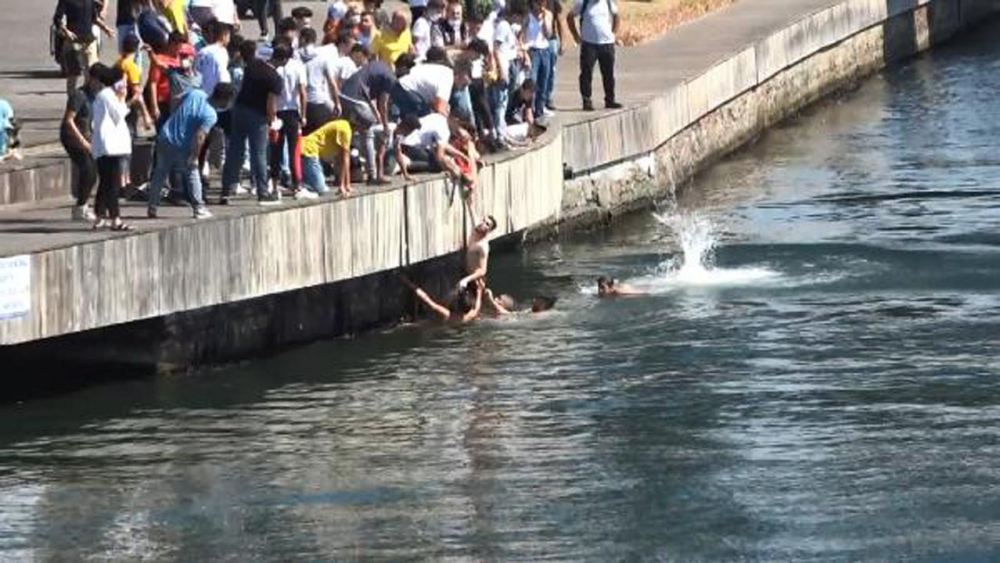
<point x="643" y="71"/>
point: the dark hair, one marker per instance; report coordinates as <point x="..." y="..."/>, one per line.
<point x="435" y="4"/>
<point x="438" y="55"/>
<point x="344" y="37"/>
<point x="248" y="51"/>
<point x="282" y="51"/>
<point x="542" y="303"/>
<point x="307" y="36"/>
<point x="286" y="25"/>
<point x="223" y="94"/>
<point x="404" y="63"/>
<point x="110" y="75"/>
<point x="479" y="47"/>
<point x="491" y="221"/>
<point x="409" y="122"/>
<point x="130" y="44"/>
<point x="302" y="13"/>
<point x="602" y="281"/>
<point x="234" y="44"/>
<point x="528" y="85"/>
<point x="359" y="48"/>
<point x="176" y="38"/>
<point x="464" y="301"/>
<point x="97" y="71"/>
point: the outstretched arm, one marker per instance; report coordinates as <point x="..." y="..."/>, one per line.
<point x="495" y="303"/>
<point x="439" y="310"/>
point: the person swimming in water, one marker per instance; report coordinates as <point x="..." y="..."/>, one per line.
<point x="504" y="304"/>
<point x="464" y="308"/>
<point x="609" y="287"/>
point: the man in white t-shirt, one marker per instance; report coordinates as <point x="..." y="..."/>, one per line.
<point x="427" y="29"/>
<point x="596" y="36"/>
<point x="427" y="87"/>
<point x="291" y="112"/>
<point x="423" y="143"/>
<point x="212" y="62"/>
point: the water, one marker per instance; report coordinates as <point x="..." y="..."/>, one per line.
<point x="814" y="375"/>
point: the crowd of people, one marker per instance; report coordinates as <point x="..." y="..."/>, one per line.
<point x="364" y="93"/>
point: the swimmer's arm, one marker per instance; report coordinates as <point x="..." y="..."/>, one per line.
<point x="474" y="312"/>
<point x="495" y="303"/>
<point x="433" y="305"/>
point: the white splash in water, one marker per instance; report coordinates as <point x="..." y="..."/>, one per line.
<point x="696" y="264"/>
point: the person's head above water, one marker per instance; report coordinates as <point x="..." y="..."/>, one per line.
<point x="540" y="304"/>
<point x="486" y="226"/>
<point x="464" y="301"/>
<point x="506" y="301"/>
<point x="605" y="285"/>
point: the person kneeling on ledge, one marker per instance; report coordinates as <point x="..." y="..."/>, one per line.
<point x="332" y="143"/>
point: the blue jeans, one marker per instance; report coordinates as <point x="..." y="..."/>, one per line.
<point x="499" y="96"/>
<point x="461" y="105"/>
<point x="554" y="50"/>
<point x="247" y="126"/>
<point x="407" y="102"/>
<point x="541" y="73"/>
<point x="169" y="160"/>
<point x="313" y="177"/>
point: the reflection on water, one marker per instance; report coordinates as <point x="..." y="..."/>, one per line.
<point x="815" y="376"/>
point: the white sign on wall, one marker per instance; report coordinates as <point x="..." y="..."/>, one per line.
<point x="15" y="286"/>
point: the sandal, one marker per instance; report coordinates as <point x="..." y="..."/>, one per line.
<point x="121" y="226"/>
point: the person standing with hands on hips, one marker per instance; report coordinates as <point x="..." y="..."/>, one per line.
<point x="596" y="35"/>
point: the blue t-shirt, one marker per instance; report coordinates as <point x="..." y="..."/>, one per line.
<point x="193" y="114"/>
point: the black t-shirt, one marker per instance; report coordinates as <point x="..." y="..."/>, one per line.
<point x="80" y="16"/>
<point x="369" y="82"/>
<point x="259" y="80"/>
<point x="79" y="102"/>
<point x="126" y="12"/>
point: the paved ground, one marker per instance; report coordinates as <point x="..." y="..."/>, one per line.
<point x="28" y="79"/>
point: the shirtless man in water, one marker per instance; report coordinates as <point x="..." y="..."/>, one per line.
<point x="477" y="253"/>
<point x="607" y="287"/>
<point x="503" y="304"/>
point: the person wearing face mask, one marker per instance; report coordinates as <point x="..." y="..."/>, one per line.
<point x="427" y="31"/>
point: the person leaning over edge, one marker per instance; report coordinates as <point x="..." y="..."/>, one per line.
<point x="179" y="144"/>
<point x="598" y="25"/>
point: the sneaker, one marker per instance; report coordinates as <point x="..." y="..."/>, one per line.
<point x="550" y="106"/>
<point x="151" y="212"/>
<point x="303" y="193"/>
<point x="240" y="190"/>
<point x="613" y="105"/>
<point x="269" y="199"/>
<point x="83" y="213"/>
<point x="588" y="105"/>
<point x="202" y="213"/>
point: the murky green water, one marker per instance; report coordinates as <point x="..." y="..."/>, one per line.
<point x="828" y="388"/>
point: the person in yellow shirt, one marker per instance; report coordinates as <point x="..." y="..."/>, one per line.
<point x="330" y="143"/>
<point x="173" y="10"/>
<point x="394" y="40"/>
<point x="133" y="78"/>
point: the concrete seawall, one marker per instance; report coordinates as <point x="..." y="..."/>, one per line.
<point x="191" y="293"/>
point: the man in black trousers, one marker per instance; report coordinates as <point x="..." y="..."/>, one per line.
<point x="596" y="36"/>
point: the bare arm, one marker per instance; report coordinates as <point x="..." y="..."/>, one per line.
<point x="478" y="273"/>
<point x="495" y="303"/>
<point x="474" y="311"/>
<point x="571" y="24"/>
<point x="401" y="161"/>
<point x="439" y="309"/>
<point x="302" y="102"/>
<point x="199" y="139"/>
<point x="383" y="111"/>
<point x="272" y="108"/>
<point x="69" y="120"/>
<point x="345" y="171"/>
